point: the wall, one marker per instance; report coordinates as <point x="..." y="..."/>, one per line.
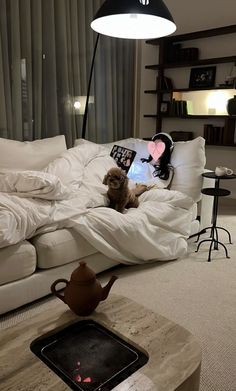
<point x="189" y="16"/>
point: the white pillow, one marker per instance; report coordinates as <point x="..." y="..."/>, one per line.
<point x="135" y="142"/>
<point x="30" y="155"/>
<point x="188" y="159"/>
<point x="138" y="172"/>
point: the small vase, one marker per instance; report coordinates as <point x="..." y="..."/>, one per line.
<point x="231" y="106"/>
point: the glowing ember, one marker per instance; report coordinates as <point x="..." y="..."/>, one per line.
<point x="87" y="380"/>
<point x="78" y="378"/>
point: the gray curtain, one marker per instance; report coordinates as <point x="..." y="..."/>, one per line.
<point x="46" y="49"/>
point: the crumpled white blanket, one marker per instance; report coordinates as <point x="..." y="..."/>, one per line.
<point x="33" y="184"/>
<point x="156" y="231"/>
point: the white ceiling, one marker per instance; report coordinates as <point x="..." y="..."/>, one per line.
<point x="193" y="15"/>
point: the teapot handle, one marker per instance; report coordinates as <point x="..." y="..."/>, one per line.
<point x="55" y="292"/>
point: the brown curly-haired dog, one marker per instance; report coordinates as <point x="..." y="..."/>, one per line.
<point x="120" y="196"/>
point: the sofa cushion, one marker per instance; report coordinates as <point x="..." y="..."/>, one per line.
<point x="30" y="155"/>
<point x="17" y="261"/>
<point x="188" y="159"/>
<point x="60" y="247"/>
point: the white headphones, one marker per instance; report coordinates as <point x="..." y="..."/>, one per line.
<point x="167" y="135"/>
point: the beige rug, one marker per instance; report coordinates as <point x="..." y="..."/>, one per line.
<point x="199" y="295"/>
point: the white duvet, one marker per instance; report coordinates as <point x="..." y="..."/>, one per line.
<point x="70" y="193"/>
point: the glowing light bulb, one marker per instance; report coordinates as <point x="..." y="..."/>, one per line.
<point x="77" y="105"/>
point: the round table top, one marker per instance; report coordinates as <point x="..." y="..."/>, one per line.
<point x="211" y="191"/>
<point x="211" y="174"/>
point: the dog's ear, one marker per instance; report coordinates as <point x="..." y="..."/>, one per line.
<point x="105" y="180"/>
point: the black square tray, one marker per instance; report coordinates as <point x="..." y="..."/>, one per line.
<point x="87" y="356"/>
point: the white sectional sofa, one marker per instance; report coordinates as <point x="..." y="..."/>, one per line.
<point x="28" y="268"/>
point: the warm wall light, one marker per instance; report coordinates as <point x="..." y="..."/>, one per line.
<point x="134" y="19"/>
<point x="206" y="102"/>
<point x="79" y="103"/>
<point x="217" y="101"/>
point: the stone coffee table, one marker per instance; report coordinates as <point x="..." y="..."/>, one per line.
<point x="174" y="354"/>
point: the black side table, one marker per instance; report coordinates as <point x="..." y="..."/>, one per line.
<point x="216" y="192"/>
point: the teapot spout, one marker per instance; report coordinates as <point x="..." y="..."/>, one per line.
<point x="106" y="289"/>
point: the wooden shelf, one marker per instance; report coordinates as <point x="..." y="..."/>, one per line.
<point x="220" y="145"/>
<point x="188" y="90"/>
<point x="207" y="145"/>
<point x="190" y="116"/>
<point x="187" y="64"/>
<point x="194" y="35"/>
<point x="196" y="116"/>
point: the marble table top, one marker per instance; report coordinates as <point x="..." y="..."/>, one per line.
<point x="174" y="353"/>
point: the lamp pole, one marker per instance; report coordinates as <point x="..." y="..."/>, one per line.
<point x="88" y="90"/>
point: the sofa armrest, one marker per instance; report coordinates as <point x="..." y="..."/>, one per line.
<point x="205" y="205"/>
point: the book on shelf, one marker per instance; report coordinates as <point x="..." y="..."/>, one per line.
<point x="213" y="134"/>
<point x="178" y="108"/>
<point x="183" y="108"/>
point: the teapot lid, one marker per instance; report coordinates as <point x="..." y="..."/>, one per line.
<point x="83" y="273"/>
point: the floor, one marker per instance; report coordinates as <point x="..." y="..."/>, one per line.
<point x="199" y="295"/>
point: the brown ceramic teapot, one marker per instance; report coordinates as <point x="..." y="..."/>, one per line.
<point x="83" y="292"/>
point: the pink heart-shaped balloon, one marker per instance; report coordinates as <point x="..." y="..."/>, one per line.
<point x="156" y="149"/>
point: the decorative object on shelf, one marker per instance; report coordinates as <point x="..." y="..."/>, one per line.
<point x="133" y="19"/>
<point x="202" y="77"/>
<point x="231" y="106"/>
<point x="230" y="82"/>
<point x="83" y="292"/>
<point x="164" y="107"/>
<point x="221" y="171"/>
<point x="164" y="83"/>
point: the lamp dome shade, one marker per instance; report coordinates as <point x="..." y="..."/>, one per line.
<point x="134" y="19"/>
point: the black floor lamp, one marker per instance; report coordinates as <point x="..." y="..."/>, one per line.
<point x="130" y="19"/>
<point x="88" y="89"/>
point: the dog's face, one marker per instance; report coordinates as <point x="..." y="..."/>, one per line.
<point x="115" y="177"/>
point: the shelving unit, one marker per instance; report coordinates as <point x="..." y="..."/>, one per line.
<point x="166" y="44"/>
<point x="185" y="90"/>
<point x="217" y="60"/>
